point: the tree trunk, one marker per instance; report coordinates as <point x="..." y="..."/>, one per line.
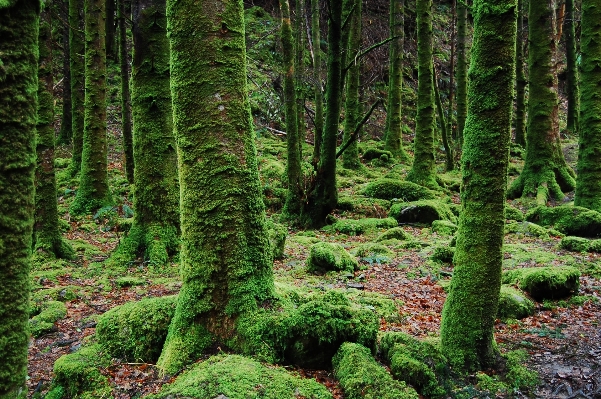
<point x="110" y="30"/>
<point x="423" y="170"/>
<point x="77" y="69"/>
<point x="128" y="147"/>
<point x="299" y="25"/>
<point x="469" y="311"/>
<point x="520" y="79"/>
<point x="545" y="174"/>
<point x="451" y="118"/>
<point x="47" y="238"/>
<point x="93" y="192"/>
<point x="588" y="183"/>
<point x="18" y="82"/>
<point x="573" y="92"/>
<point x="443" y="128"/>
<point x="225" y="261"/>
<point x="65" y="135"/>
<point x="462" y="64"/>
<point x="315" y="38"/>
<point x="394" y="121"/>
<point x="352" y="107"/>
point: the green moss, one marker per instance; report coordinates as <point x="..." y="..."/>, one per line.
<point x="423" y="212"/>
<point x="361" y="376"/>
<point x="375" y="153"/>
<point x="368" y="207"/>
<point x="326" y="256"/>
<point x="545" y="282"/>
<point x="360" y="226"/>
<point x="513" y="304"/>
<point x="129" y="281"/>
<point x="136" y="331"/>
<point x="374" y="253"/>
<point x="277" y="238"/>
<point x="67" y="293"/>
<point x="527" y="229"/>
<point x="518" y="376"/>
<point x="78" y="373"/>
<point x="398" y="189"/>
<point x="442" y="253"/>
<point x="444" y="227"/>
<point x="512" y="213"/>
<point x="396" y="233"/>
<point x="237" y="377"/>
<point x="47" y="314"/>
<point x="384" y="307"/>
<point x="576" y="244"/>
<point x="570" y="220"/>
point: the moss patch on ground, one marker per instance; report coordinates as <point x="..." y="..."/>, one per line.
<point x="570" y="220"/>
<point x="327" y="256"/>
<point x="545" y="282"/>
<point x="406" y="191"/>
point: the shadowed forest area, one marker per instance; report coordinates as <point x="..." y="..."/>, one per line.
<point x="393" y="199"/>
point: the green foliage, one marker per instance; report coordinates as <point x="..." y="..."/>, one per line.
<point x="518" y="376"/>
<point x="444" y="227"/>
<point x="45" y="316"/>
<point x="443" y="254"/>
<point x="136" y="331"/>
<point x="277" y="238"/>
<point x="398" y="189"/>
<point x="327" y="256"/>
<point x="545" y="282"/>
<point x="78" y="373"/>
<point x="576" y="244"/>
<point x="357" y="227"/>
<point x="570" y="220"/>
<point x="361" y="376"/>
<point x="513" y="304"/>
<point x="237" y="377"/>
<point x="396" y="233"/>
<point x="375" y="153"/>
<point x="527" y="229"/>
<point x="423" y="212"/>
<point x="512" y="213"/>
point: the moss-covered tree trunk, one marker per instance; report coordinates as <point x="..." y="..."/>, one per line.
<point x="469" y="311"/>
<point x="394" y="121"/>
<point x="299" y="61"/>
<point x="111" y="48"/>
<point x="318" y="91"/>
<point x="77" y="70"/>
<point x="18" y="103"/>
<point x="323" y="196"/>
<point x="225" y="261"/>
<point x="352" y="106"/>
<point x="588" y="183"/>
<point x="93" y="192"/>
<point x="444" y="132"/>
<point x="451" y="112"/>
<point x="294" y="196"/>
<point x="520" y="80"/>
<point x="572" y="89"/>
<point x="461" y="70"/>
<point x="65" y="135"/>
<point x="128" y="146"/>
<point x="545" y="174"/>
<point x="155" y="230"/>
<point x="47" y="237"/>
<point x="423" y="170"/>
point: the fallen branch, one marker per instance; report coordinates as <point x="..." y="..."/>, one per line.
<point x="358" y="129"/>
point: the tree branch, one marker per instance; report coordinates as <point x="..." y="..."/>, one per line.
<point x="358" y="129"/>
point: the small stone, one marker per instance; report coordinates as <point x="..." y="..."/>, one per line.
<point x="357" y="286"/>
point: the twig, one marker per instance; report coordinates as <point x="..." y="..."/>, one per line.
<point x="358" y="129"/>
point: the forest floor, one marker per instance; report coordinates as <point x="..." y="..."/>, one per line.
<point x="562" y="338"/>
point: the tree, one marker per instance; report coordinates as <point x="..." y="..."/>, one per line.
<point x="520" y="80"/>
<point x="18" y="104"/>
<point x="461" y="70"/>
<point x="394" y="121"/>
<point x="47" y="237"/>
<point x="318" y="91"/>
<point x="93" y="192"/>
<point x="545" y="172"/>
<point x="469" y="311"/>
<point x="423" y="170"/>
<point x="65" y="135"/>
<point x="572" y="89"/>
<point x="77" y="77"/>
<point x="128" y="147"/>
<point x="225" y="262"/>
<point x="588" y="183"/>
<point x="111" y="50"/>
<point x="155" y="230"/>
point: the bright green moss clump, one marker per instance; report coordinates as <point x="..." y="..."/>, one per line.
<point x="361" y="377"/>
<point x="136" y="331"/>
<point x="579" y="244"/>
<point x="403" y="190"/>
<point x="443" y="253"/>
<point x="47" y="314"/>
<point x="512" y="213"/>
<point x="360" y="226"/>
<point x="444" y="227"/>
<point x="77" y="374"/>
<point x="396" y="233"/>
<point x="425" y="212"/>
<point x="277" y="238"/>
<point x="527" y="229"/>
<point x="237" y="377"/>
<point x="570" y="220"/>
<point x="513" y="304"/>
<point x="327" y="256"/>
<point x="545" y="282"/>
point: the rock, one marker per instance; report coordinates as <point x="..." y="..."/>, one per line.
<point x="545" y="282"/>
<point x="327" y="256"/>
<point x="422" y="212"/>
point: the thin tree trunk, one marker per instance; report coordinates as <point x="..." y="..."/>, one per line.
<point x="128" y="147"/>
<point x="451" y="113"/>
<point x="462" y="64"/>
<point x="315" y="38"/>
<point x="443" y="127"/>
<point x="111" y="49"/>
<point x="65" y="135"/>
<point x="520" y="78"/>
<point x="299" y="34"/>
<point x="573" y="92"/>
<point x="77" y="50"/>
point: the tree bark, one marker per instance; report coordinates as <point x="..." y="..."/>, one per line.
<point x="128" y="147"/>
<point x="520" y="79"/>
<point x="315" y="38"/>
<point x="572" y="89"/>
<point x="77" y="70"/>
<point x="462" y="65"/>
<point x="65" y="135"/>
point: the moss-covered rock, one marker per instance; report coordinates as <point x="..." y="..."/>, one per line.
<point x="570" y="220"/>
<point x="325" y="256"/>
<point x="513" y="304"/>
<point x="422" y="212"/>
<point x="357" y="227"/>
<point x="237" y="377"/>
<point x="136" y="331"/>
<point x="443" y="253"/>
<point x="77" y="374"/>
<point x="361" y="377"/>
<point x="417" y="362"/>
<point x="374" y="253"/>
<point x="404" y="190"/>
<point x="444" y="227"/>
<point x="545" y="282"/>
<point x="46" y="315"/>
<point x="576" y="244"/>
<point x="277" y="238"/>
<point x="512" y="213"/>
<point x="526" y="229"/>
<point x="369" y="207"/>
<point x="396" y="233"/>
<point x="375" y="153"/>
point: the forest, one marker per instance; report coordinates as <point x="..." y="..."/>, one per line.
<point x="228" y="199"/>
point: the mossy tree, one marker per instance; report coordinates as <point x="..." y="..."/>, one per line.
<point x="299" y="63"/>
<point x="93" y="192"/>
<point x="126" y="123"/>
<point x="77" y="77"/>
<point x="293" y="205"/>
<point x="462" y="65"/>
<point x="155" y="230"/>
<point x="352" y="105"/>
<point x="394" y="121"/>
<point x="572" y="88"/>
<point x="47" y="238"/>
<point x="111" y="48"/>
<point x="469" y="311"/>
<point x="318" y="91"/>
<point x="18" y="104"/>
<point x="545" y="174"/>
<point x="225" y="261"/>
<point x="520" y="80"/>
<point x="65" y="134"/>
<point x="423" y="170"/>
<point x="588" y="183"/>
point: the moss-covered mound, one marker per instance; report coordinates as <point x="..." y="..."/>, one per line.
<point x="526" y="229"/>
<point x="444" y="227"/>
<point x="77" y="374"/>
<point x="361" y="377"/>
<point x="375" y="153"/>
<point x="136" y="331"/>
<point x="545" y="282"/>
<point x="513" y="304"/>
<point x="374" y="253"/>
<point x="357" y="227"/>
<point x="419" y="363"/>
<point x="390" y="188"/>
<point x="512" y="213"/>
<point x="580" y="244"/>
<point x="45" y="315"/>
<point x="422" y="212"/>
<point x="237" y="377"/>
<point x="277" y="238"/>
<point x="369" y="207"/>
<point x="443" y="254"/>
<point x="570" y="220"/>
<point x="325" y="256"/>
<point x="396" y="233"/>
